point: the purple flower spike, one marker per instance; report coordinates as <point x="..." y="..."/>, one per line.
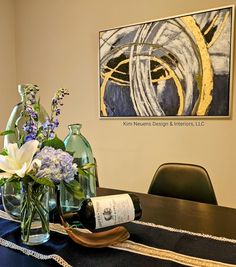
<point x="52" y="123"/>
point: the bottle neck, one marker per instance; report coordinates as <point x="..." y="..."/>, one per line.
<point x="75" y="128"/>
<point x="27" y="91"/>
<point x="22" y="92"/>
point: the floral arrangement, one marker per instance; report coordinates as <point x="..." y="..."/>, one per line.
<point x="38" y="158"/>
<point x="38" y="153"/>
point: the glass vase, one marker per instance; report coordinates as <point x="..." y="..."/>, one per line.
<point x="11" y="199"/>
<point x="81" y="150"/>
<point x="34" y="213"/>
<point x="11" y="190"/>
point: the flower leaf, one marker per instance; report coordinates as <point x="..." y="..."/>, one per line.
<point x="20" y="142"/>
<point x="2" y="182"/>
<point x="4" y="152"/>
<point x="44" y="181"/>
<point x="75" y="189"/>
<point x="7" y="132"/>
<point x="14" y="178"/>
<point x="87" y="166"/>
<point x="81" y="171"/>
<point x="85" y="169"/>
<point x="55" y="143"/>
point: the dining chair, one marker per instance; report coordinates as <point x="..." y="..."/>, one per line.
<point x="184" y="181"/>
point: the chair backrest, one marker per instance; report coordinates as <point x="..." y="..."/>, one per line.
<point x="185" y="181"/>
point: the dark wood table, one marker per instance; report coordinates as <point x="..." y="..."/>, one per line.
<point x="184" y="214"/>
<point x="170" y="212"/>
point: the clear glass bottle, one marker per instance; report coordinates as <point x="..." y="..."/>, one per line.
<point x="16" y="120"/>
<point x="11" y="190"/>
<point x="81" y="150"/>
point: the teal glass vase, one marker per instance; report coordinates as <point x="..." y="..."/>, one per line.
<point x="11" y="190"/>
<point x="80" y="149"/>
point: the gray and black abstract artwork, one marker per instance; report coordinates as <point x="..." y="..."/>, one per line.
<point x="171" y="67"/>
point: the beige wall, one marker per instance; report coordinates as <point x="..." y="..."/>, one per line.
<point x="8" y="96"/>
<point x="57" y="45"/>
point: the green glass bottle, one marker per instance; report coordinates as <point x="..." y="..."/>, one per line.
<point x="11" y="190"/>
<point x="80" y="148"/>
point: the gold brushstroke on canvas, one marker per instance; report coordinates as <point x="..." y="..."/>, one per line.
<point x="164" y="77"/>
<point x="118" y="81"/>
<point x="198" y="79"/>
<point x="115" y="80"/>
<point x="219" y="31"/>
<point x="103" y="87"/>
<point x="169" y="73"/>
<point x="211" y="25"/>
<point x="106" y="77"/>
<point x="205" y="92"/>
<point x="117" y="71"/>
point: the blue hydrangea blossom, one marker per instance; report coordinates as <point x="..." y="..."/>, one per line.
<point x="56" y="165"/>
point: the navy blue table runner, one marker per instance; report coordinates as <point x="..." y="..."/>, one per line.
<point x="174" y="244"/>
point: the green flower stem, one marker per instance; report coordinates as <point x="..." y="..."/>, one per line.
<point x="41" y="212"/>
<point x="40" y="205"/>
<point x="32" y="206"/>
<point x="28" y="212"/>
<point x="27" y="218"/>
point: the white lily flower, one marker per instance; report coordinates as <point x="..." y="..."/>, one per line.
<point x="19" y="161"/>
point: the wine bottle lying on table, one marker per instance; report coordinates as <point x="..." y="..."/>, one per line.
<point x="104" y="211"/>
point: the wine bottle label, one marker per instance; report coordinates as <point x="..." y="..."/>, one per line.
<point x="112" y="210"/>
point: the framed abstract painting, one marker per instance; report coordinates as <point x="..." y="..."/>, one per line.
<point x="173" y="67"/>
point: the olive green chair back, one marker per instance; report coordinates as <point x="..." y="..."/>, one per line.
<point x="184" y="181"/>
